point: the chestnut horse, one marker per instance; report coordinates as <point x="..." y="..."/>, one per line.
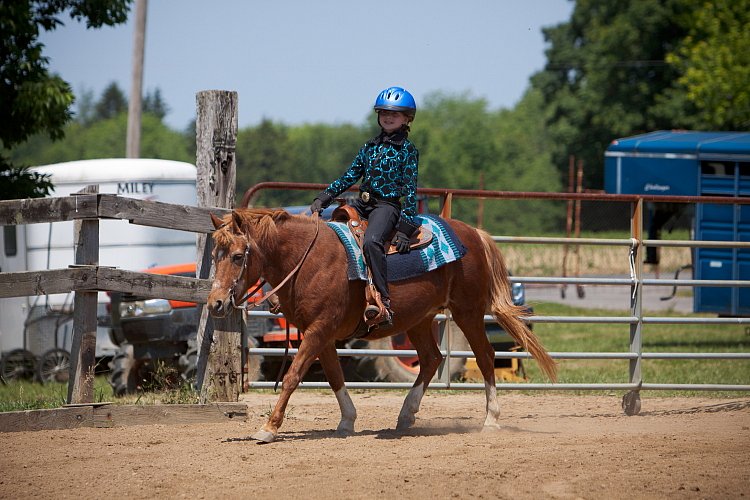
<point x="324" y="304"/>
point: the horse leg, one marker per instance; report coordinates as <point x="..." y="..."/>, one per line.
<point x="429" y="361"/>
<point x="474" y="330"/>
<point x="309" y="349"/>
<point x="335" y="376"/>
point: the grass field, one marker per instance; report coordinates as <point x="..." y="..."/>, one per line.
<point x="656" y="338"/>
<point x="556" y="337"/>
<point x="27" y="395"/>
<point x="547" y="260"/>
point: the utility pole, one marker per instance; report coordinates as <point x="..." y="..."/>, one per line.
<point x="133" y="142"/>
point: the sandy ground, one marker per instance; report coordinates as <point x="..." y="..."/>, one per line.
<point x="554" y="446"/>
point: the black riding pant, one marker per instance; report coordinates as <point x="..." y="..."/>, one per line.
<point x="382" y="217"/>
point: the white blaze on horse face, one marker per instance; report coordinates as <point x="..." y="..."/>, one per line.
<point x="218" y="286"/>
<point x="219" y="254"/>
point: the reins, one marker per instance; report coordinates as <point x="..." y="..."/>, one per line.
<point x="251" y="305"/>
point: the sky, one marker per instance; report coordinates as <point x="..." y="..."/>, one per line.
<point x="305" y="61"/>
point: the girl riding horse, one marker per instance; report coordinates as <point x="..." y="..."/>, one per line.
<point x="388" y="165"/>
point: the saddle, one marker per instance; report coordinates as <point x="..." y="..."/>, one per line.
<point x="375" y="311"/>
<point x="349" y="216"/>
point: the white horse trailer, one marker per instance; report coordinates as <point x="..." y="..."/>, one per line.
<point x="38" y="324"/>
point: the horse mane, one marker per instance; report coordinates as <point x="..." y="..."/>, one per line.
<point x="259" y="223"/>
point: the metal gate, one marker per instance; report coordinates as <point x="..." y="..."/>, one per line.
<point x="636" y="319"/>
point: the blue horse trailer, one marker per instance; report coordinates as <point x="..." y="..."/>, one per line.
<point x="688" y="163"/>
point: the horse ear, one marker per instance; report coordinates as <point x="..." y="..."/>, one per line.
<point x="216" y="221"/>
<point x="280" y="215"/>
<point x="237" y="221"/>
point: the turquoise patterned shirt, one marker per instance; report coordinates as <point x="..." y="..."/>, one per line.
<point x="388" y="168"/>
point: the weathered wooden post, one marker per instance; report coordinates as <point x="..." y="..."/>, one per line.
<point x="83" y="348"/>
<point x="219" y="369"/>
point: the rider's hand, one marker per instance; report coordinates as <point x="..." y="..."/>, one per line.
<point x="320" y="202"/>
<point x="401" y="242"/>
<point x="317" y="206"/>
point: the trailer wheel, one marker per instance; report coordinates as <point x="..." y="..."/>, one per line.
<point x="124" y="372"/>
<point x="54" y="366"/>
<point x="18" y="364"/>
<point x="398" y="369"/>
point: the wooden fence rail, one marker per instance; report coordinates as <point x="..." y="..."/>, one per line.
<point x="108" y="206"/>
<point x="97" y="278"/>
<point x="87" y="277"/>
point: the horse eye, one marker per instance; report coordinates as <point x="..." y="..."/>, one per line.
<point x="237" y="258"/>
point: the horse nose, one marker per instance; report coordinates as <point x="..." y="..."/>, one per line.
<point x="217" y="306"/>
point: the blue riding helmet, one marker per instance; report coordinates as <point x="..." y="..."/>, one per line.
<point x="396" y="99"/>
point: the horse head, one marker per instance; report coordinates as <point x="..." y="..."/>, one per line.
<point x="238" y="262"/>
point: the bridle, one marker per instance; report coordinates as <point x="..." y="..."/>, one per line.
<point x="238" y="304"/>
<point x="251" y="305"/>
<point x="232" y="289"/>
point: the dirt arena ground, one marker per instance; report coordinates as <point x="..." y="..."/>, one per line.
<point x="554" y="446"/>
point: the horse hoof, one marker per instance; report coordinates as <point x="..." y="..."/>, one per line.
<point x="344" y="432"/>
<point x="345" y="428"/>
<point x="264" y="436"/>
<point x="404" y="424"/>
<point x="491" y="427"/>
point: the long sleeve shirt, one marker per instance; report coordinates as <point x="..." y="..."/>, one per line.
<point x="388" y="167"/>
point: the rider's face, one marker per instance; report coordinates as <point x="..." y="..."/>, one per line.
<point x="391" y="121"/>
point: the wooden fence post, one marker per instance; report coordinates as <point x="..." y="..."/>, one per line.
<point x="83" y="348"/>
<point x="219" y="370"/>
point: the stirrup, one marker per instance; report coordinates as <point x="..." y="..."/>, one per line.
<point x="387" y="318"/>
<point x="377" y="310"/>
<point x="376" y="317"/>
<point x="371" y="312"/>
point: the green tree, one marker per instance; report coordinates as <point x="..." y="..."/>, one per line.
<point x="315" y="153"/>
<point x="112" y="103"/>
<point x="714" y="61"/>
<point x="85" y="106"/>
<point x="322" y="153"/>
<point x="262" y="155"/>
<point x="19" y="182"/>
<point x="607" y="77"/>
<point x="106" y="139"/>
<point x="525" y="163"/>
<point x="464" y="145"/>
<point x="31" y="99"/>
<point x="154" y="103"/>
<point x="455" y="141"/>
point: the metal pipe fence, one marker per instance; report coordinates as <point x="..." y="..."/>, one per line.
<point x="635" y="319"/>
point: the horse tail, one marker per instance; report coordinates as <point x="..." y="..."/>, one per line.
<point x="509" y="315"/>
